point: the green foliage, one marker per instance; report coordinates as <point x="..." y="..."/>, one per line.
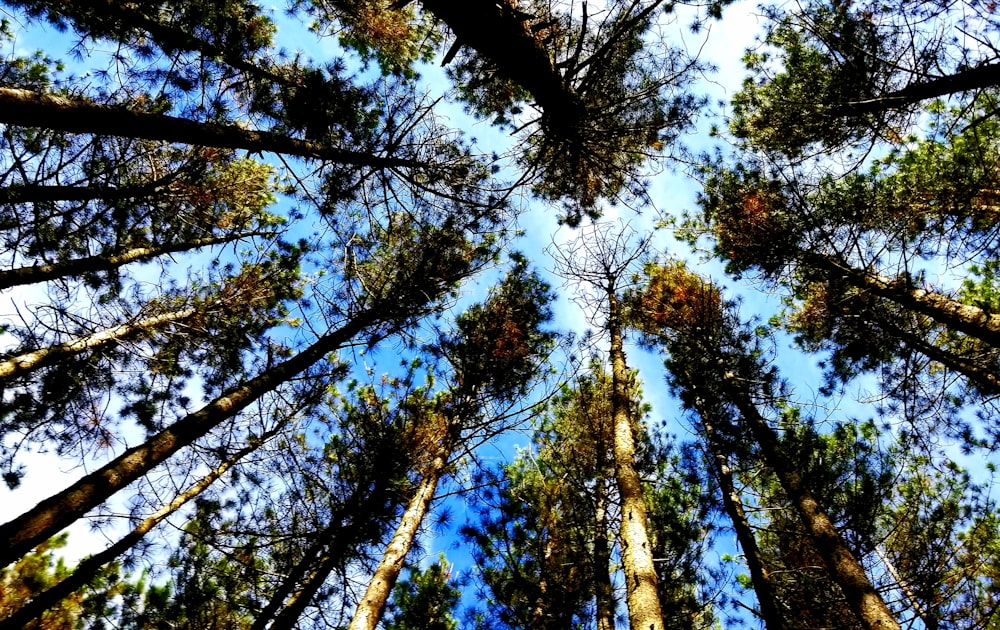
<point x="828" y="55"/>
<point x="426" y="600"/>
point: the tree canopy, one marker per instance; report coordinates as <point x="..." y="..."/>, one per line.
<point x="413" y="314"/>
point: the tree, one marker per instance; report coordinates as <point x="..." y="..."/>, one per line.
<point x="604" y="107"/>
<point x="542" y="541"/>
<point x="602" y="262"/>
<point x="426" y="599"/>
<point x="709" y="359"/>
<point x="495" y="354"/>
<point x="833" y="72"/>
<point x="411" y="280"/>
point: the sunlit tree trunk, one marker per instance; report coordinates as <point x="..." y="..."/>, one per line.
<point x="60" y="510"/>
<point x="964" y="318"/>
<point x="637" y="558"/>
<point x="372" y="605"/>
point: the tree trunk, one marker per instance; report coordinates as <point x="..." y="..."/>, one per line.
<point x="88" y="567"/>
<point x="372" y="605"/>
<point x="511" y="45"/>
<point x="984" y="379"/>
<point x="603" y="590"/>
<point x="965" y="318"/>
<point x="105" y="262"/>
<point x="51" y="515"/>
<point x="637" y="558"/>
<point x="27" y="108"/>
<point x="29" y="361"/>
<point x="977" y="78"/>
<point x="331" y="549"/>
<point x="770" y="610"/>
<point x="841" y="564"/>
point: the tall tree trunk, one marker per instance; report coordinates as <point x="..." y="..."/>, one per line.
<point x="637" y="558"/>
<point x="27" y="362"/>
<point x="105" y="262"/>
<point x="603" y="590"/>
<point x="372" y="605"/>
<point x="760" y="577"/>
<point x="50" y="111"/>
<point x="965" y="318"/>
<point x="88" y="567"/>
<point x="51" y="515"/>
<point x="841" y="564"/>
<point x="511" y="44"/>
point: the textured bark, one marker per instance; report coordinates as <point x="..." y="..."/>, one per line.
<point x="91" y="264"/>
<point x="49" y="111"/>
<point x="637" y="558"/>
<point x="842" y="566"/>
<point x="964" y="318"/>
<point x="372" y="605"/>
<point x="88" y="567"/>
<point x="51" y="515"/>
<point x="29" y="361"/>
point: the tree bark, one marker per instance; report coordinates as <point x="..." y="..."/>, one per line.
<point x="511" y="45"/>
<point x="330" y="549"/>
<point x="637" y="558"/>
<point x="105" y="262"/>
<point x="88" y="567"/>
<point x="74" y="115"/>
<point x="29" y="361"/>
<point x="841" y="564"/>
<point x="964" y="318"/>
<point x="372" y="605"/>
<point x="51" y="515"/>
<point x="978" y="78"/>
<point x="603" y="589"/>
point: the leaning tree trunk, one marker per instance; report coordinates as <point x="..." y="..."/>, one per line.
<point x="965" y="318"/>
<point x="88" y="567"/>
<point x="28" y="108"/>
<point x="27" y="362"/>
<point x="637" y="558"/>
<point x="334" y="545"/>
<point x="106" y="262"/>
<point x="51" y="515"/>
<point x="843" y="568"/>
<point x="372" y="605"/>
<point x="760" y="577"/>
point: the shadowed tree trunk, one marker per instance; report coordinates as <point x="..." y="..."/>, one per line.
<point x="87" y="568"/>
<point x="80" y="266"/>
<point x="49" y="111"/>
<point x="770" y="609"/>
